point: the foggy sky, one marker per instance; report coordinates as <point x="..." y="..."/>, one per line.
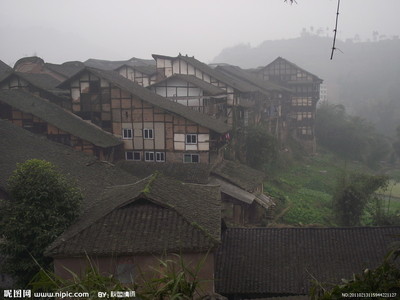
<point x="65" y="30"/>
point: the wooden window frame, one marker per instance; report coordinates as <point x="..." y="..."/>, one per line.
<point x="125" y="134"/>
<point x="191" y="155"/>
<point x="162" y="156"/>
<point x="148" y="133"/>
<point x="150" y="154"/>
<point x="191" y="139"/>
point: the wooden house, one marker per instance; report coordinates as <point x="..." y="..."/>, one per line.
<point x="306" y="93"/>
<point x="239" y="106"/>
<point x="133" y="226"/>
<point x="40" y="116"/>
<point x="39" y="84"/>
<point x="193" y="92"/>
<point x="142" y="75"/>
<point x="262" y="263"/>
<point x="268" y="98"/>
<point x="243" y="200"/>
<point x="153" y="129"/>
<point x="141" y="71"/>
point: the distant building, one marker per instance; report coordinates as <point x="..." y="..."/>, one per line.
<point x="323" y="92"/>
<point x="39" y="84"/>
<point x="194" y="93"/>
<point x="141" y="71"/>
<point x="305" y="95"/>
<point x="40" y="116"/>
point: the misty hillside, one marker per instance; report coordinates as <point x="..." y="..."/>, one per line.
<point x="365" y="76"/>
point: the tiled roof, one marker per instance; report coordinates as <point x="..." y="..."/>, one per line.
<point x="156" y="100"/>
<point x="315" y="77"/>
<point x="42" y="81"/>
<point x="59" y="117"/>
<point x="154" y="215"/>
<point x="91" y="176"/>
<point x="241" y="195"/>
<point x="207" y="87"/>
<point x="272" y="261"/>
<point x="66" y="69"/>
<point x="250" y="78"/>
<point x="235" y="83"/>
<point x="241" y="175"/>
<point x="113" y="65"/>
<point x="148" y="70"/>
<point x="4" y="67"/>
<point x="190" y="173"/>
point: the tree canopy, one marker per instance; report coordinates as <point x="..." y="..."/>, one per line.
<point x="348" y="136"/>
<point x="353" y="193"/>
<point x="261" y="148"/>
<point x="43" y="204"/>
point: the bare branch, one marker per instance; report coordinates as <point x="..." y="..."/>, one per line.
<point x="335" y="30"/>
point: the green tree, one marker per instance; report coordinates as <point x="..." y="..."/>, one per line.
<point x="42" y="205"/>
<point x="354" y="191"/>
<point x="261" y="148"/>
<point x="352" y="138"/>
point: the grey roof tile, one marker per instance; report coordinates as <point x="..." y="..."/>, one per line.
<point x="59" y="117"/>
<point x="91" y="176"/>
<point x="239" y="174"/>
<point x="271" y="261"/>
<point x="153" y="215"/>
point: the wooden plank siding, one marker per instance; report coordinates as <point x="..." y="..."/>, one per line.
<point x="136" y="76"/>
<point x="169" y="66"/>
<point x="303" y="102"/>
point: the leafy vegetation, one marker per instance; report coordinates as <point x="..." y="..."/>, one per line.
<point x="304" y="193"/>
<point x="261" y="148"/>
<point x="91" y="282"/>
<point x="174" y="279"/>
<point x="352" y="138"/>
<point x="353" y="193"/>
<point x="42" y="205"/>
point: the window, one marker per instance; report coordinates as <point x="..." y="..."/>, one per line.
<point x="127" y="133"/>
<point x="304" y="115"/>
<point x="191" y="139"/>
<point x="191" y="158"/>
<point x="149" y="156"/>
<point x="148" y="133"/>
<point x="160" y="156"/>
<point x="133" y="155"/>
<point x="301" y="101"/>
<point x="304" y="131"/>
